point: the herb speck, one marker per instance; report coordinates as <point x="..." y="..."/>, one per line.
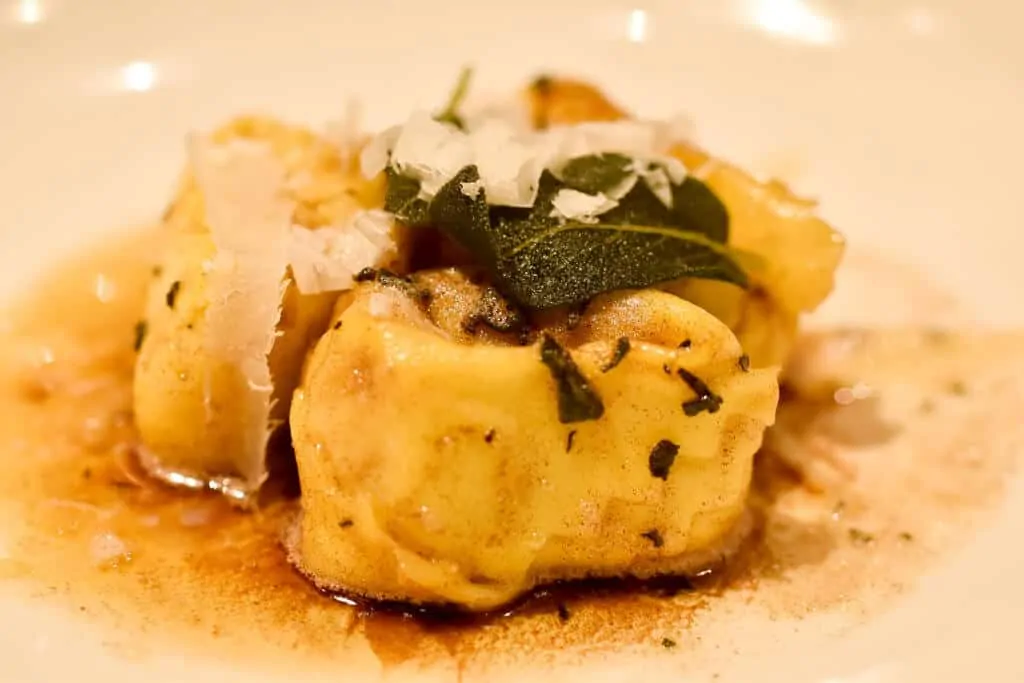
<point x="569" y="439"/>
<point x="668" y="643"/>
<point x="745" y="363"/>
<point x="489" y="435"/>
<point x="337" y="325"/>
<point x="654" y="536"/>
<point x="661" y="458"/>
<point x="705" y="400"/>
<point x="685" y="344"/>
<point x="141" y="328"/>
<point x="172" y="293"/>
<point x="621" y="349"/>
<point x="345" y="523"/>
<point x="906" y="536"/>
<point x="577" y="400"/>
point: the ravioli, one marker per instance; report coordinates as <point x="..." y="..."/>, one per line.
<point x="229" y="321"/>
<point x="435" y="468"/>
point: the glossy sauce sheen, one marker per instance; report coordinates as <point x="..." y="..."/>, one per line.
<point x="166" y="569"/>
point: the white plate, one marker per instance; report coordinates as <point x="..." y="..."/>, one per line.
<point x="903" y="117"/>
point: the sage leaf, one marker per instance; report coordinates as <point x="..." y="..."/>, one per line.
<point x="539" y="261"/>
<point x="699" y="210"/>
<point x="543" y="263"/>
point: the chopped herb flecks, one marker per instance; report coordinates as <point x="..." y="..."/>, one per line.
<point x="569" y="439"/>
<point x="745" y="363"/>
<point x="621" y="349"/>
<point x="654" y="536"/>
<point x="563" y="612"/>
<point x="337" y="325"/>
<point x="172" y="293"/>
<point x="706" y="399"/>
<point x="661" y="458"/>
<point x="489" y="435"/>
<point x="668" y="643"/>
<point x="577" y="400"/>
<point x="667" y="368"/>
<point x="345" y="523"/>
<point x="141" y="328"/>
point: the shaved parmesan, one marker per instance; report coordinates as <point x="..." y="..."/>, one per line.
<point x="657" y="181"/>
<point x="249" y="219"/>
<point x="328" y="259"/>
<point x="430" y="152"/>
<point x="471" y="190"/>
<point x="574" y="205"/>
<point x="510" y="160"/>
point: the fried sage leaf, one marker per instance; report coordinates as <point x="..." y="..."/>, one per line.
<point x="541" y="262"/>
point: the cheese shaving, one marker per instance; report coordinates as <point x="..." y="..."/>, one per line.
<point x="510" y="160"/>
<point x="578" y="206"/>
<point x="471" y="190"/>
<point x="249" y="219"/>
<point x="328" y="259"/>
<point x="657" y="180"/>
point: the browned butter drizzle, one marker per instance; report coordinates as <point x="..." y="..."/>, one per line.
<point x="168" y="569"/>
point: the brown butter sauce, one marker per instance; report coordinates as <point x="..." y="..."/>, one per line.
<point x="158" y="566"/>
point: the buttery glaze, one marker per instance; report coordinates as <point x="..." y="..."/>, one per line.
<point x="166" y="569"/>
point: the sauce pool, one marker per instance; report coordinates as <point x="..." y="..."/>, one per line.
<point x="165" y="568"/>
